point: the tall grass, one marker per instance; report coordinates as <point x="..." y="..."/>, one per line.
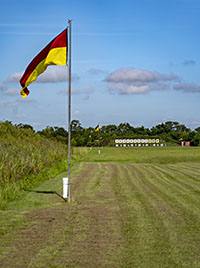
<point x="26" y="159"/>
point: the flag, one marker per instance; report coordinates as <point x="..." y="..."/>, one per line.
<point x="55" y="53"/>
<point x="96" y="128"/>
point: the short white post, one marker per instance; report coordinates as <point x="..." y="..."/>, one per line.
<point x="65" y="187"/>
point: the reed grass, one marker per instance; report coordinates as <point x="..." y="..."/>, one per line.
<point x="26" y="159"/>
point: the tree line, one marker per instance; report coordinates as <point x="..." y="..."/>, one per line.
<point x="170" y="131"/>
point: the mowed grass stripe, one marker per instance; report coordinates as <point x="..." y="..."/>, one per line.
<point x="192" y="166"/>
<point x="192" y="173"/>
<point x="182" y="187"/>
<point x="176" y="228"/>
<point x="182" y="221"/>
<point x="179" y="197"/>
<point x="92" y="232"/>
<point x="146" y="236"/>
<point x="191" y="181"/>
<point x="171" y="188"/>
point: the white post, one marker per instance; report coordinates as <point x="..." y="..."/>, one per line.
<point x="65" y="187"/>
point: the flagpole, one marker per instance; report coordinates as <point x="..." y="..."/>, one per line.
<point x="69" y="113"/>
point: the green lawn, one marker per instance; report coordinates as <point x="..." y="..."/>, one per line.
<point x="131" y="208"/>
<point x="162" y="155"/>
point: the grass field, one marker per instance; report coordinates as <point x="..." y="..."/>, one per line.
<point x="136" y="207"/>
<point x="161" y="155"/>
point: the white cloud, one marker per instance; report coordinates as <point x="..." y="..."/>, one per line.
<point x="53" y="74"/>
<point x="126" y="89"/>
<point x="2" y="86"/>
<point x="13" y="78"/>
<point x="132" y="81"/>
<point x="37" y="125"/>
<point x="94" y="71"/>
<point x="125" y="75"/>
<point x="26" y="101"/>
<point x="188" y="87"/>
<point x="12" y="92"/>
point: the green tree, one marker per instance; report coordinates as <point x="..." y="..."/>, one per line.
<point x="26" y="126"/>
<point x="76" y="127"/>
<point x="78" y="133"/>
<point x="197" y="129"/>
<point x="125" y="127"/>
<point x="110" y="129"/>
<point x="47" y="132"/>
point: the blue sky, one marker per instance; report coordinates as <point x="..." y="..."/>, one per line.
<point x="133" y="61"/>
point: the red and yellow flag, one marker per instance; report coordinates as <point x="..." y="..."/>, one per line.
<point x="55" y="53"/>
<point x="96" y="128"/>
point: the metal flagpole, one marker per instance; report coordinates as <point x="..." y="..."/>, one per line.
<point x="69" y="113"/>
